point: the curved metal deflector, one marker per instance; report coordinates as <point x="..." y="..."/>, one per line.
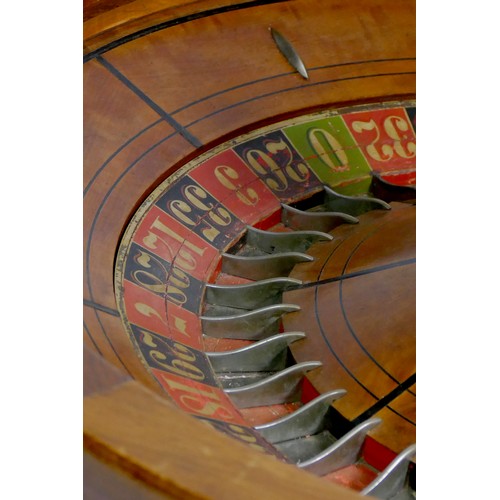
<point x="250" y="295"/>
<point x="307" y="420"/>
<point x="278" y="242"/>
<point x="392" y="480"/>
<point x="266" y="355"/>
<point x="282" y="387"/>
<point x="318" y="221"/>
<point x="343" y="452"/>
<point x="262" y="266"/>
<point x="352" y="205"/>
<point x="253" y="325"/>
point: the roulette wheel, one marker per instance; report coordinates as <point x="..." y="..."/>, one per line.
<point x="249" y="249"/>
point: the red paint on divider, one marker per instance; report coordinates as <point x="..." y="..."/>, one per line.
<point x="376" y="454"/>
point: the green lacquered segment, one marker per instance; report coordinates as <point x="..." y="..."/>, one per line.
<point x="329" y="149"/>
<point x="359" y="186"/>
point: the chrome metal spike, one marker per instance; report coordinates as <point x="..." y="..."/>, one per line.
<point x="273" y="242"/>
<point x="318" y="221"/>
<point x="253" y="325"/>
<point x="250" y="295"/>
<point x="352" y="205"/>
<point x="262" y="267"/>
<point x="385" y="190"/>
<point x="266" y="355"/>
<point x="307" y="420"/>
<point x="343" y="452"/>
<point x="286" y="48"/>
<point x="392" y="480"/>
<point x="282" y="387"/>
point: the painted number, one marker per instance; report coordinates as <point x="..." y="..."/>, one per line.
<point x="175" y="358"/>
<point x="274" y="175"/>
<point x="393" y="126"/>
<point x="195" y="200"/>
<point x="228" y="177"/>
<point x="328" y="149"/>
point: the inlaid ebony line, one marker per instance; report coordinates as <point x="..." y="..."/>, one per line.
<point x="103" y="202"/>
<point x="353" y="333"/>
<point x="341" y="363"/>
<point x="288" y="73"/>
<point x="116" y="152"/>
<point x="94" y="222"/>
<point x="355" y="274"/>
<point x="307" y="85"/>
<point x="322" y="331"/>
<point x="102" y="308"/>
<point x="87" y="331"/>
<point x="344" y="315"/>
<point x="175" y="22"/>
<point x="230" y="89"/>
<point x="105" y="199"/>
<point x="155" y="107"/>
<point x="384" y="402"/>
<point x="110" y="343"/>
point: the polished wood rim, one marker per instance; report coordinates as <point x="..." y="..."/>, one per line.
<point x="145" y="119"/>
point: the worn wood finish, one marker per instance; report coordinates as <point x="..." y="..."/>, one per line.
<point x="98" y="374"/>
<point x="102" y="481"/>
<point x="146" y="437"/>
<point x="93" y="8"/>
<point x="360" y="319"/>
<point x="156" y="101"/>
<point x="111" y="20"/>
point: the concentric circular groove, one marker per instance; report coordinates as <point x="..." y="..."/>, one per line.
<point x="185" y="239"/>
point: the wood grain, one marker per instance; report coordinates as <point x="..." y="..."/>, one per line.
<point x="101" y="481"/>
<point x="151" y="104"/>
<point x="145" y="436"/>
<point x="108" y="21"/>
<point x="360" y="320"/>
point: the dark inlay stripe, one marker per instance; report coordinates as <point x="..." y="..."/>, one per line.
<point x="282" y="91"/>
<point x="230" y="89"/>
<point x="356" y="338"/>
<point x="92" y="228"/>
<point x="116" y="152"/>
<point x="87" y="331"/>
<point x="348" y="324"/>
<point x="281" y="75"/>
<point x="339" y="360"/>
<point x="370" y="270"/>
<point x="175" y="22"/>
<point x="102" y="308"/>
<point x="155" y="107"/>
<point x="384" y="402"/>
<point x="96" y="312"/>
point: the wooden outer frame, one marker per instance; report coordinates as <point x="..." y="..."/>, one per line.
<point x="145" y="437"/>
<point x="140" y="93"/>
<point x="109" y="21"/>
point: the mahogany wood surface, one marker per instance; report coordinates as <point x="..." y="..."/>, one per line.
<point x="360" y="319"/>
<point x="153" y="100"/>
<point x="145" y="437"/>
<point x="102" y="481"/>
<point x="110" y="20"/>
<point x="151" y="104"/>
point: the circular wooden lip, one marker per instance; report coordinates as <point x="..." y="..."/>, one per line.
<point x="139" y="416"/>
<point x="181" y="343"/>
<point x="109" y="23"/>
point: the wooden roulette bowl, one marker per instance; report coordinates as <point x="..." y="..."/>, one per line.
<point x="201" y="143"/>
